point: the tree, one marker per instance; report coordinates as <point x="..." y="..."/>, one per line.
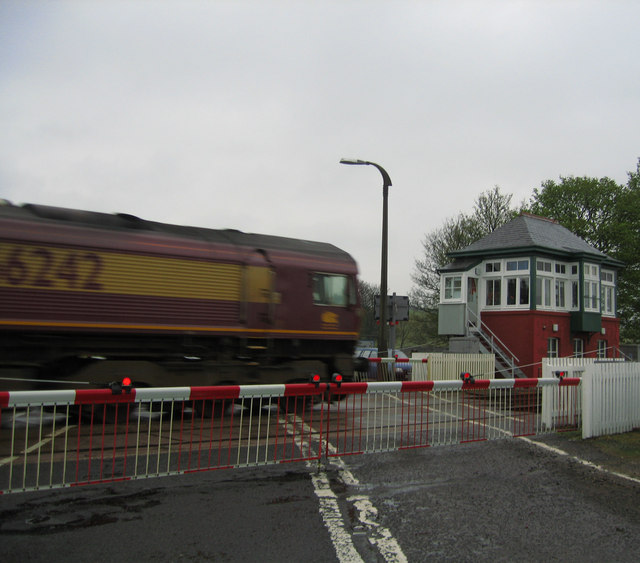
<point x="421" y="329"/>
<point x="629" y="253"/>
<point x="607" y="216"/>
<point x="585" y="206"/>
<point x="368" y="328"/>
<point x="417" y="331"/>
<point x="491" y="210"/>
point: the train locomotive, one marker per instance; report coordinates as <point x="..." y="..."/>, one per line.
<point x="88" y="298"/>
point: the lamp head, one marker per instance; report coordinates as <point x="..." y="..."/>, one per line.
<point x="385" y="177"/>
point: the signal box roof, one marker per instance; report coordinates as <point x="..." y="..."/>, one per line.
<point x="528" y="234"/>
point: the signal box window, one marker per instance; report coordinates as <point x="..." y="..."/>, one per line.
<point x="543" y="266"/>
<point x="517" y="291"/>
<point x="493" y="292"/>
<point x="575" y="303"/>
<point x="513" y="265"/>
<point x="607" y="294"/>
<point x="560" y="294"/>
<point x="602" y="349"/>
<point x="543" y="292"/>
<point x="330" y="289"/>
<point x="578" y="347"/>
<point x="453" y="287"/>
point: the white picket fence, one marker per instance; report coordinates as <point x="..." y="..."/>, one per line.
<point x="443" y="367"/>
<point x="610" y="398"/>
<point x="606" y="402"/>
<point x="609" y="401"/>
<point x="572" y="367"/>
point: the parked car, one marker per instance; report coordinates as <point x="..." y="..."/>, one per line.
<point x="361" y="358"/>
<point x="363" y="363"/>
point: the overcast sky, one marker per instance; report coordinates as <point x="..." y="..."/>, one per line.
<point x="236" y="114"/>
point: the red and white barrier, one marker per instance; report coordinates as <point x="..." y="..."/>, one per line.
<point x="67" y="438"/>
<point x="400" y="415"/>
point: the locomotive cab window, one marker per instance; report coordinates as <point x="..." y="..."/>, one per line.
<point x="330" y="289"/>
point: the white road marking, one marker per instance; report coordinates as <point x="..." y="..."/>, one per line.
<point x="36" y="446"/>
<point x="379" y="536"/>
<point x="581" y="461"/>
<point x="332" y="518"/>
<point x="553" y="449"/>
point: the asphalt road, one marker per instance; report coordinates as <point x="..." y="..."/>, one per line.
<point x="506" y="500"/>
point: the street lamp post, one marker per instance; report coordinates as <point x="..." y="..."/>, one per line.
<point x="386" y="182"/>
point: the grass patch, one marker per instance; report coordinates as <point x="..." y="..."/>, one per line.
<point x="624" y="446"/>
<point x="616" y="452"/>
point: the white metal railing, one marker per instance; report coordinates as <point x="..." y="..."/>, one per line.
<point x="394" y="415"/>
<point x="67" y="438"/>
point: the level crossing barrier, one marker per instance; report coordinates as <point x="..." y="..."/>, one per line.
<point x="377" y="417"/>
<point x="52" y="439"/>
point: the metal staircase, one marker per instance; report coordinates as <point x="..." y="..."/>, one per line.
<point x="506" y="361"/>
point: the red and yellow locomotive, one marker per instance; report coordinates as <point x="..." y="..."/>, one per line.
<point x="90" y="297"/>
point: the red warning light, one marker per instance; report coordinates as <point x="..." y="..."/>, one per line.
<point x="337" y="378"/>
<point x="126" y="382"/>
<point x="315" y="378"/>
<point x="467" y="377"/>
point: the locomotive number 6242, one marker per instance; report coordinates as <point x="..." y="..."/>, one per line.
<point x="50" y="268"/>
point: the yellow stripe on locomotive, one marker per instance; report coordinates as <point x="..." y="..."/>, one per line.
<point x="56" y="268"/>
